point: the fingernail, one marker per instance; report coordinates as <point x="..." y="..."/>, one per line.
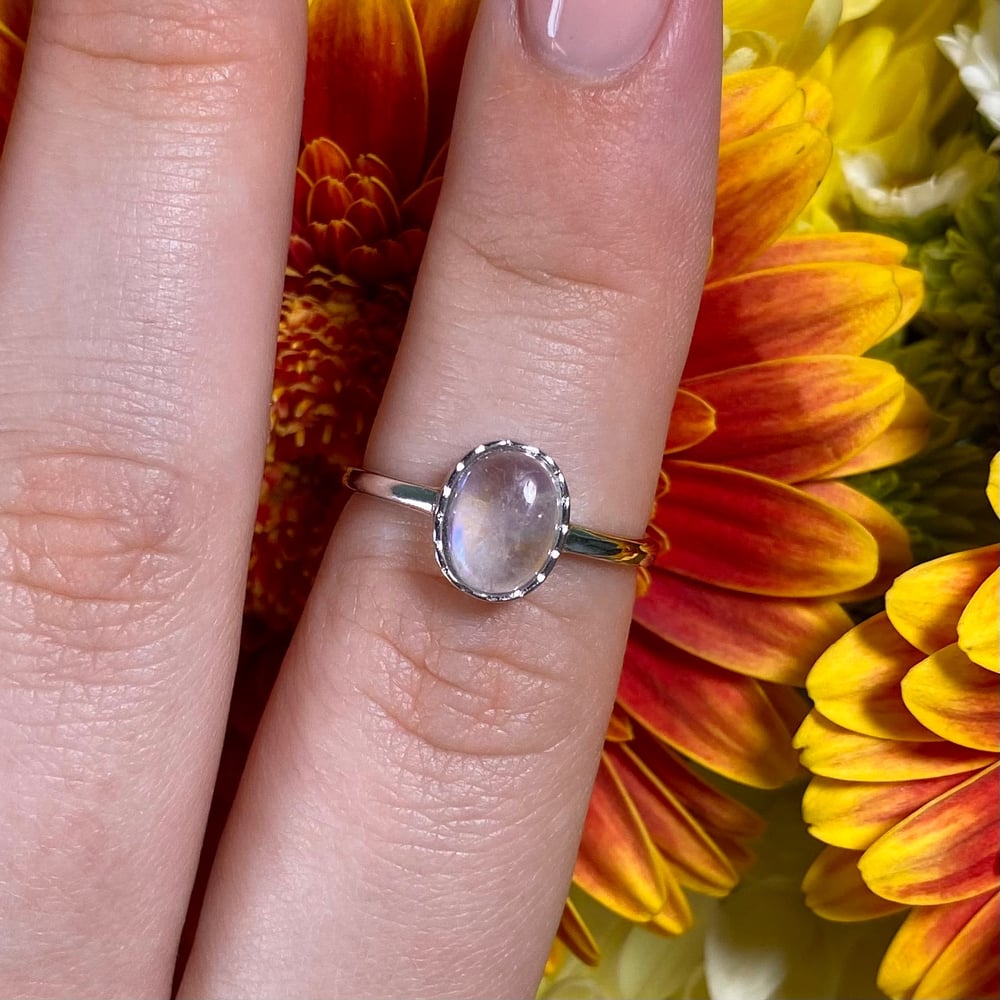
<point x="591" y="39"/>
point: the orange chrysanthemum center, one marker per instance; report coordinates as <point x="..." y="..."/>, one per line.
<point x="352" y="260"/>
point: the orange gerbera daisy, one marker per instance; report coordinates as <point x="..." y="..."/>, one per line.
<point x="763" y="540"/>
<point x="905" y="745"/>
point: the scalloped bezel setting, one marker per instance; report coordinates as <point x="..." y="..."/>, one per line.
<point x="501" y="520"/>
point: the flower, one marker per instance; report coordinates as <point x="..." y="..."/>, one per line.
<point x="905" y="749"/>
<point x="976" y="55"/>
<point x="14" y="17"/>
<point x="900" y="116"/>
<point x="760" y="33"/>
<point x="381" y="84"/>
<point x="761" y="538"/>
<point x="759" y="943"/>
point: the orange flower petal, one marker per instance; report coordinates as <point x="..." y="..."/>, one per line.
<point x="835" y="752"/>
<point x="895" y="555"/>
<point x="955" y="698"/>
<point x="694" y="858"/>
<point x="922" y="939"/>
<point x="770" y="638"/>
<point x="720" y="719"/>
<point x="748" y="533"/>
<point x="855" y="683"/>
<point x="806" y="309"/>
<point x="977" y="628"/>
<point x="365" y="82"/>
<point x="967" y="969"/>
<point x="926" y="603"/>
<point x="763" y="184"/>
<point x="854" y="814"/>
<point x="577" y="935"/>
<point x="718" y="814"/>
<point x="946" y="850"/>
<point x="691" y="421"/>
<point x="834" y="888"/>
<point x="829" y="248"/>
<point x="993" y="484"/>
<point x="617" y="863"/>
<point x="752" y="99"/>
<point x="903" y="438"/>
<point x="444" y="27"/>
<point x="796" y="418"/>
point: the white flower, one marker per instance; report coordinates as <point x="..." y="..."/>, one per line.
<point x="976" y="55"/>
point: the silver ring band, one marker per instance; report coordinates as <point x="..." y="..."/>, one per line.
<point x="532" y="481"/>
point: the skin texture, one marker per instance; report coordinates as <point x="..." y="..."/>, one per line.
<point x="408" y="820"/>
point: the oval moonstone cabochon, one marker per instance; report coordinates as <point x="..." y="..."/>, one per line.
<point x="502" y="514"/>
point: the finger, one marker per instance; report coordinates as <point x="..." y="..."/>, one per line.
<point x="414" y="799"/>
<point x="143" y="228"/>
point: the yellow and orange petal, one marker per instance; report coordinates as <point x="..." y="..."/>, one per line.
<point x="904" y="743"/>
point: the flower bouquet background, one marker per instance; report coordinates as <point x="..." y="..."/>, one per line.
<point x="798" y="792"/>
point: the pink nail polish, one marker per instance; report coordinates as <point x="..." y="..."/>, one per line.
<point x="591" y="39"/>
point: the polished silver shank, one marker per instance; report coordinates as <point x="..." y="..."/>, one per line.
<point x="579" y="540"/>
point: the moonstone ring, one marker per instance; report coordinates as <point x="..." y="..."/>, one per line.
<point x="501" y="520"/>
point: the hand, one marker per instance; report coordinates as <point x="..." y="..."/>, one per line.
<point x="408" y="819"/>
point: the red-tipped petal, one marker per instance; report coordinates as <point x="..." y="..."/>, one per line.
<point x="831" y="248"/>
<point x="576" y="934"/>
<point x="955" y="698"/>
<point x="903" y="438"/>
<point x="770" y="638"/>
<point x="617" y="862"/>
<point x="810" y="309"/>
<point x="977" y="628"/>
<point x="890" y="534"/>
<point x="835" y="752"/>
<point x="691" y="421"/>
<point x="749" y="533"/>
<point x="366" y="86"/>
<point x="796" y="418"/>
<point x="764" y="182"/>
<point x="945" y="851"/>
<point x="967" y="969"/>
<point x="855" y="683"/>
<point x="695" y="859"/>
<point x="854" y="814"/>
<point x="720" y="719"/>
<point x="834" y="888"/>
<point x="444" y="27"/>
<point x="921" y="940"/>
<point x="718" y="814"/>
<point x="926" y="603"/>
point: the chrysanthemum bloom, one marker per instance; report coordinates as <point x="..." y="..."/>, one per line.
<point x="380" y="92"/>
<point x="904" y="743"/>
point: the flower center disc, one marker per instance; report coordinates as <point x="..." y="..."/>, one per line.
<point x="500" y="521"/>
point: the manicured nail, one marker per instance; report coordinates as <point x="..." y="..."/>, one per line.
<point x="592" y="39"/>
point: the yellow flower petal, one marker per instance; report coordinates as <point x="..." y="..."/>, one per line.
<point x="834" y="888"/>
<point x="955" y="698"/>
<point x="854" y="814"/>
<point x="835" y="752"/>
<point x="945" y="851"/>
<point x="926" y="602"/>
<point x="855" y="683"/>
<point x="977" y="628"/>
